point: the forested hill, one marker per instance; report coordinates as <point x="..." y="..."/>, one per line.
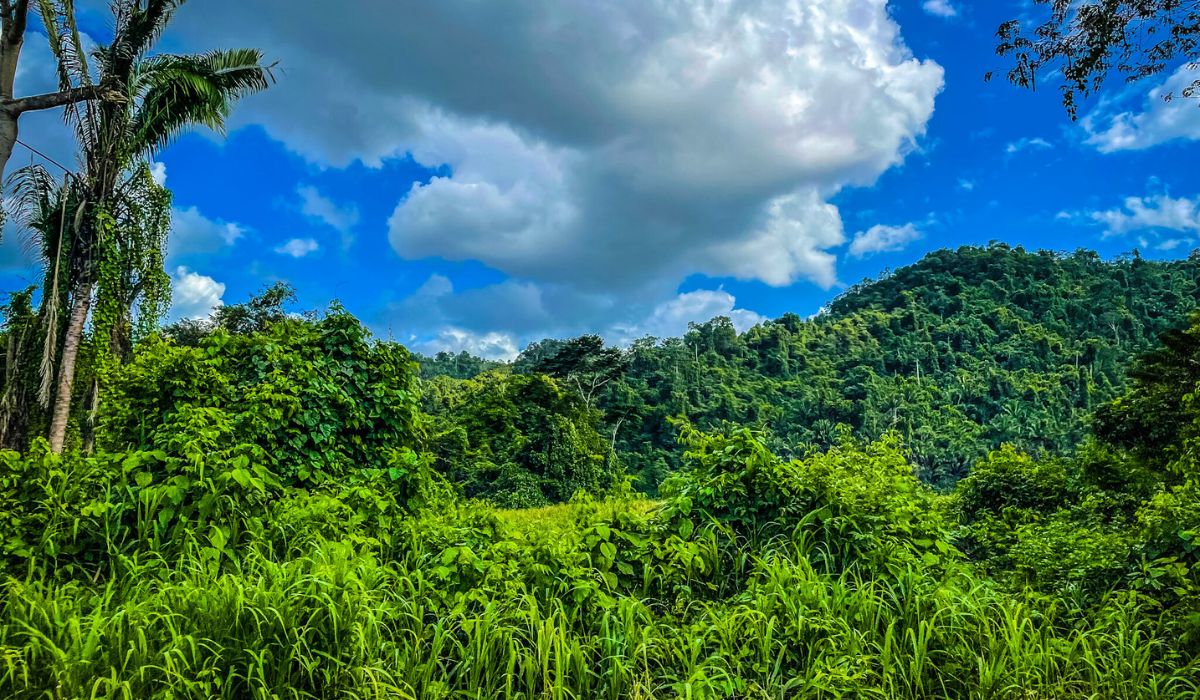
<point x="961" y="352"/>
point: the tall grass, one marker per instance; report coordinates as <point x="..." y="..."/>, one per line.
<point x="339" y="622"/>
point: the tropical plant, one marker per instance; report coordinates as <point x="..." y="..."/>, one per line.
<point x="166" y="95"/>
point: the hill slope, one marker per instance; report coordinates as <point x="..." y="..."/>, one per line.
<point x="959" y="353"/>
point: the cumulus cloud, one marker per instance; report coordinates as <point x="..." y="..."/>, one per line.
<point x="490" y="345"/>
<point x="194" y="295"/>
<point x="939" y="8"/>
<point x="298" y="247"/>
<point x="1161" y="212"/>
<point x="883" y="239"/>
<point x="1159" y="121"/>
<point x="193" y="233"/>
<point x="313" y="204"/>
<point x="464" y="320"/>
<point x="596" y="153"/>
<point x="671" y="318"/>
<point x="1173" y="244"/>
<point x="610" y="146"/>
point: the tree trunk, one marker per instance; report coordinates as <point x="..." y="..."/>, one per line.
<point x="8" y="138"/>
<point x="81" y="300"/>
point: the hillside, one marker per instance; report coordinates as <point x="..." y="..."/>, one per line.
<point x="961" y="352"/>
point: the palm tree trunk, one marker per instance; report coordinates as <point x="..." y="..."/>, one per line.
<point x="81" y="300"/>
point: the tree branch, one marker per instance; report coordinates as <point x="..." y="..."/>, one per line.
<point x="61" y="98"/>
<point x="18" y="16"/>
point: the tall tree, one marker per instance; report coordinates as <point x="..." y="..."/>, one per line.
<point x="585" y="365"/>
<point x="168" y="94"/>
<point x="1087" y="41"/>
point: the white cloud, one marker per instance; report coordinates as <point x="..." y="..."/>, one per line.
<point x="158" y="171"/>
<point x="194" y="295"/>
<point x="1173" y="243"/>
<point x="1161" y="212"/>
<point x="939" y="8"/>
<point x="883" y="239"/>
<point x="193" y="233"/>
<point x="467" y="320"/>
<point x="671" y="318"/>
<point x="1158" y="122"/>
<point x="616" y="147"/>
<point x="1024" y="144"/>
<point x="1157" y="220"/>
<point x="341" y="218"/>
<point x="489" y="345"/>
<point x="298" y="247"/>
<point x="966" y="185"/>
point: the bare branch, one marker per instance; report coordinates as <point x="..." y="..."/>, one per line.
<point x="62" y="98"/>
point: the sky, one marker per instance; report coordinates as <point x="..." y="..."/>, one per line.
<point x="477" y="176"/>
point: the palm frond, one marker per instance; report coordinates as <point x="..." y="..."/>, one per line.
<point x="177" y="92"/>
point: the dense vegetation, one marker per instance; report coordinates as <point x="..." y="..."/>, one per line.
<point x="976" y="477"/>
<point x="960" y="353"/>
<point x="286" y="535"/>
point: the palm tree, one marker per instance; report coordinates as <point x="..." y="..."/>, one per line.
<point x="166" y="95"/>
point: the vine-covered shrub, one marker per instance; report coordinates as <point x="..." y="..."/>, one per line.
<point x="851" y="504"/>
<point x="518" y="440"/>
<point x="311" y="401"/>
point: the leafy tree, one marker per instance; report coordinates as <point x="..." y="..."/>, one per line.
<point x="1159" y="417"/>
<point x="1085" y="42"/>
<point x="519" y="440"/>
<point x="255" y="315"/>
<point x="585" y="365"/>
<point x="315" y="401"/>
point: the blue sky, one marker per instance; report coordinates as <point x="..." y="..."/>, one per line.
<point x="478" y="176"/>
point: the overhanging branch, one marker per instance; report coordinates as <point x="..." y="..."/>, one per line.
<point x="61" y="98"/>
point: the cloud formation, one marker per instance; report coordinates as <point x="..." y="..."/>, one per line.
<point x="313" y="204"/>
<point x="939" y="8"/>
<point x="592" y="151"/>
<point x="1159" y="121"/>
<point x="1027" y="144"/>
<point x="298" y="247"/>
<point x="1160" y="221"/>
<point x="193" y="295"/>
<point x="193" y="233"/>
<point x="1139" y="214"/>
<point x="883" y="239"/>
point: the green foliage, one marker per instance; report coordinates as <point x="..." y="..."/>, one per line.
<point x="613" y="599"/>
<point x="518" y="440"/>
<point x="959" y="354"/>
<point x="1079" y="44"/>
<point x="262" y="520"/>
<point x="255" y="315"/>
<point x="310" y="401"/>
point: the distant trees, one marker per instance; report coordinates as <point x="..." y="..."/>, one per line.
<point x="255" y="315"/>
<point x="1086" y="42"/>
<point x="519" y="440"/>
<point x="958" y="354"/>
